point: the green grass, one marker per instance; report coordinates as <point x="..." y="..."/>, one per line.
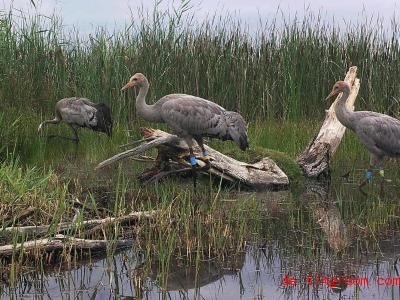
<point x="276" y="78"/>
<point x="276" y="72"/>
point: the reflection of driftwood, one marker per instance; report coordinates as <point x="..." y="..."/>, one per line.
<point x="183" y="276"/>
<point x="171" y="150"/>
<point x="271" y="202"/>
<point x="315" y="160"/>
<point x="317" y="197"/>
<point x="60" y="242"/>
<point x="22" y="215"/>
<point x="42" y="229"/>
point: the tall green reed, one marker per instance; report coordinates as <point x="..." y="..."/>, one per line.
<point x="282" y="70"/>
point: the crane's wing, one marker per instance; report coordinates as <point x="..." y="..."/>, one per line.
<point x="78" y="111"/>
<point x="190" y="115"/>
<point x="381" y="131"/>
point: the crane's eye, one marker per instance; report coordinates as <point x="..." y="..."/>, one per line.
<point x="134" y="79"/>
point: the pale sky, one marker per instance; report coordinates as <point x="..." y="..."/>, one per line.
<point x="87" y="14"/>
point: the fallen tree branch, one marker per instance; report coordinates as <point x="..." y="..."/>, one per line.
<point x="43" y="229"/>
<point x="60" y="242"/>
<point x="135" y="142"/>
<point x="138" y="150"/>
<point x="24" y="214"/>
<point x="315" y="160"/>
<point x="173" y="152"/>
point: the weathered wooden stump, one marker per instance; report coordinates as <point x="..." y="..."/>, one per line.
<point x="315" y="159"/>
<point x="172" y="159"/>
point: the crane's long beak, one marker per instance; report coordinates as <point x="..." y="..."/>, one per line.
<point x="127" y="86"/>
<point x="332" y="94"/>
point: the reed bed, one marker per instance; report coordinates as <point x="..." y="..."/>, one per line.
<point x="276" y="77"/>
<point x="279" y="71"/>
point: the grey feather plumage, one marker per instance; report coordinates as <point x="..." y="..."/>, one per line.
<point x="194" y="116"/>
<point x="82" y="113"/>
<point x="379" y="133"/>
<point x="77" y="112"/>
<point x="190" y="116"/>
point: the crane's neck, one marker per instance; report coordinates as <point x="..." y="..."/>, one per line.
<point x="147" y="112"/>
<point x="344" y="115"/>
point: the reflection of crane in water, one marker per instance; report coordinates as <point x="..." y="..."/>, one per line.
<point x="190" y="117"/>
<point x="379" y="133"/>
<point x="184" y="276"/>
<point x="81" y="112"/>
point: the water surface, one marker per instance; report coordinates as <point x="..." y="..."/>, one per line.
<point x="337" y="250"/>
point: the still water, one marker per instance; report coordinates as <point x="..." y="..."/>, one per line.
<point x="257" y="274"/>
<point x="333" y="264"/>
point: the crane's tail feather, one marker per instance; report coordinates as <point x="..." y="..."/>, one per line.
<point x="104" y="119"/>
<point x="237" y="129"/>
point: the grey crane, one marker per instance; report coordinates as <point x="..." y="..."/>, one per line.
<point x="379" y="133"/>
<point x="190" y="117"/>
<point x="81" y="112"/>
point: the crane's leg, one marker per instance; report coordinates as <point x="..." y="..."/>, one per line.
<point x="192" y="160"/>
<point x="192" y="157"/>
<point x="194" y="164"/>
<point x="74" y="139"/>
<point x="205" y="157"/>
<point x="346" y="176"/>
<point x="75" y="129"/>
<point x="375" y="160"/>
<point x="381" y="171"/>
<point x="368" y="176"/>
<point x="382" y="175"/>
<point x="379" y="162"/>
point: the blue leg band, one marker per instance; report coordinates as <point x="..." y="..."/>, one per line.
<point x="193" y="161"/>
<point x="369" y="175"/>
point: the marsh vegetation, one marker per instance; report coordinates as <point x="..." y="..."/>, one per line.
<point x="276" y="77"/>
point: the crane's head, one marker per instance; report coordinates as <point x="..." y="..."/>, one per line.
<point x="339" y="87"/>
<point x="138" y="80"/>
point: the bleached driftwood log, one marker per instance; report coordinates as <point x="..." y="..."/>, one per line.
<point x="315" y="160"/>
<point x="43" y="229"/>
<point x="60" y="242"/>
<point x="172" y="150"/>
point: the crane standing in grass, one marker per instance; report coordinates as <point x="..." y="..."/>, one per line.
<point x="379" y="133"/>
<point x="190" y="117"/>
<point x="81" y="112"/>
